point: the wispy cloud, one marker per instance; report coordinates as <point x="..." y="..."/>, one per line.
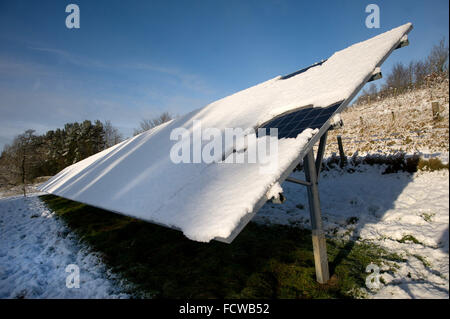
<point x="45" y="96"/>
<point x="188" y="80"/>
<point x="13" y="66"/>
<point x="71" y="58"/>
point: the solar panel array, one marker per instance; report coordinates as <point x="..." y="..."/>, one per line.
<point x="292" y="124"/>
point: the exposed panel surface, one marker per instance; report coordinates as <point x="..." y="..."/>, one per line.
<point x="292" y="124"/>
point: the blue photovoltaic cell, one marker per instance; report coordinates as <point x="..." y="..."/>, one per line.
<point x="302" y="70"/>
<point x="292" y="124"/>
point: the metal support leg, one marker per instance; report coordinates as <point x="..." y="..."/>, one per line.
<point x="320" y="153"/>
<point x="318" y="236"/>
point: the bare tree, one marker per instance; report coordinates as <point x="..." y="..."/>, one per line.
<point x="22" y="157"/>
<point x="147" y="124"/>
<point x="372" y="89"/>
<point x="112" y="134"/>
<point x="7" y="173"/>
<point x="421" y="70"/>
<point x="400" y="77"/>
<point x="438" y="58"/>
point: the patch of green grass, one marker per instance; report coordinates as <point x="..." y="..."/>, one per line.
<point x="409" y="238"/>
<point x="433" y="164"/>
<point x="427" y="216"/>
<point x="262" y="262"/>
<point x="394" y="163"/>
<point x="424" y="261"/>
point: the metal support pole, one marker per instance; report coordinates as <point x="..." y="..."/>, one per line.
<point x="297" y="181"/>
<point x="320" y="153"/>
<point x="318" y="236"/>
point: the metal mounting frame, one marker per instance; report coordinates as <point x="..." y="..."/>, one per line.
<point x="312" y="170"/>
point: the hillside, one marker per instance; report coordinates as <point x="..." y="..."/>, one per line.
<point x="399" y="123"/>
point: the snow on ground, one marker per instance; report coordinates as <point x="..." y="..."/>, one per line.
<point x="36" y="248"/>
<point x="391" y="210"/>
<point x="10" y="191"/>
<point x="383" y="209"/>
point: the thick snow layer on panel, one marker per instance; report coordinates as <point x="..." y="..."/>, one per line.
<point x="138" y="178"/>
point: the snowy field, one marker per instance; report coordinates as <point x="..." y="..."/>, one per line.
<point x="35" y="249"/>
<point x="407" y="214"/>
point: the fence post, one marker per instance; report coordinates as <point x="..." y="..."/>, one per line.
<point x="435" y="109"/>
<point x="341" y="152"/>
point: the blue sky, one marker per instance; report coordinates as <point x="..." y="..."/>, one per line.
<point x="135" y="59"/>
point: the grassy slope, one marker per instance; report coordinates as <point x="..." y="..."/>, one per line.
<point x="404" y="122"/>
<point x="263" y="262"/>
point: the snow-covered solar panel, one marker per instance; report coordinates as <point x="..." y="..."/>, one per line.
<point x="215" y="200"/>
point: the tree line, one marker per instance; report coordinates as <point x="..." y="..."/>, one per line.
<point x="416" y="74"/>
<point x="30" y="155"/>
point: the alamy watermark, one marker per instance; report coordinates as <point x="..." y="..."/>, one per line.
<point x="373" y="280"/>
<point x="228" y="146"/>
<point x="73" y="19"/>
<point x="73" y="279"/>
<point x="373" y="19"/>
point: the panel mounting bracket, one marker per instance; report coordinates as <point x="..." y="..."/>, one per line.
<point x="376" y="75"/>
<point x="403" y="42"/>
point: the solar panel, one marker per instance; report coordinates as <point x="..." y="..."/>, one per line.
<point x="214" y="200"/>
<point x="302" y="70"/>
<point x="291" y="124"/>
